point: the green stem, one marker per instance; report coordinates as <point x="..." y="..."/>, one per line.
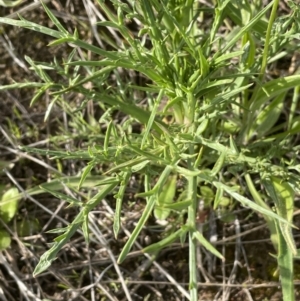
<point x="248" y="116"/>
<point x="293" y="106"/>
<point x="192" y="195"/>
<point x="285" y="262"/>
<point x="268" y="36"/>
<point x="259" y="201"/>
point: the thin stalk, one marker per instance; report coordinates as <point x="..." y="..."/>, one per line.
<point x="259" y="201"/>
<point x="192" y="195"/>
<point x="248" y="115"/>
<point x="268" y="37"/>
<point x="293" y="106"/>
<point x="285" y="262"/>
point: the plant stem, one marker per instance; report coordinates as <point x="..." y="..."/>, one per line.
<point x="192" y="195"/>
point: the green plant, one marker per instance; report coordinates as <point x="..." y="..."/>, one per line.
<point x="227" y="129"/>
<point x="8" y="208"/>
<point x="8" y="3"/>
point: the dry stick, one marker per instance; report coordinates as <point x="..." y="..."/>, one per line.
<point x="101" y="17"/>
<point x="223" y="270"/>
<point x="228" y="239"/>
<point x="246" y="291"/>
<point x="204" y="284"/>
<point x="27" y="253"/>
<point x="167" y="275"/>
<point x="174" y="245"/>
<point x="25" y="155"/>
<point x="2" y="296"/>
<point x="51" y="213"/>
<point x="98" y="234"/>
<point x="236" y="257"/>
<point x="99" y="277"/>
<point x="90" y="11"/>
<point x="247" y="263"/>
<point x="59" y="207"/>
<point x="26" y="8"/>
<point x="213" y="237"/>
<point x="12" y="52"/>
<point x="199" y="251"/>
<point x="22" y="287"/>
<point x="136" y="253"/>
<point x="22" y="109"/>
<point x="92" y="289"/>
<point x="55" y="274"/>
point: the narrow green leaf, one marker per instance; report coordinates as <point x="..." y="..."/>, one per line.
<point x="54" y="19"/>
<point x="228" y="56"/>
<point x="246" y="202"/>
<point x="164" y="242"/>
<point x="268" y="116"/>
<point x="86" y="172"/>
<point x="178" y="206"/>
<point x="61" y="41"/>
<point x="202" y="127"/>
<point x="39" y="93"/>
<point x="85" y="228"/>
<point x="133" y="162"/>
<point x="233" y="146"/>
<point x="62" y="196"/>
<point x="285" y="208"/>
<point x="124" y="63"/>
<point x="50" y="255"/>
<point x="32" y="26"/>
<point x="119" y="199"/>
<point x="146" y="213"/>
<point x="218" y="165"/>
<point x="204" y="175"/>
<point x="245" y="29"/>
<point x="218" y="197"/>
<point x="49" y="108"/>
<point x="101" y="75"/>
<point x="146" y="154"/>
<point x="57" y="231"/>
<point x="165" y="197"/>
<point x="207" y="245"/>
<point x="107" y="137"/>
<point x="21" y="85"/>
<point x="274" y="88"/>
<point x="152" y="118"/>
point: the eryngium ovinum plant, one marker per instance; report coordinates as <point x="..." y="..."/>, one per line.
<point x="212" y="116"/>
